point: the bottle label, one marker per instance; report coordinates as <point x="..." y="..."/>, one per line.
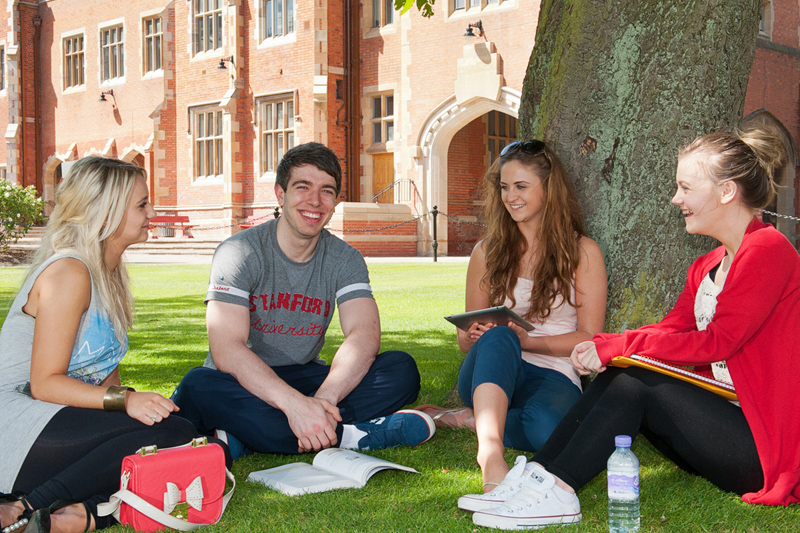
<point x="622" y="487"/>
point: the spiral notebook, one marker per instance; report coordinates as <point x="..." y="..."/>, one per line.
<point x="726" y="390"/>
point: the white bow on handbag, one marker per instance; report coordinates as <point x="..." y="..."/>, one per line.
<point x="194" y="495"/>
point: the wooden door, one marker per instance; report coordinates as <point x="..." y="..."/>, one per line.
<point x="382" y="177"/>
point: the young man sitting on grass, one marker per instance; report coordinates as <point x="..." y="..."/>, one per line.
<point x="269" y="303"/>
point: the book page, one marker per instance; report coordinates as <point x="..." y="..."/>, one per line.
<point x="302" y="478"/>
<point x="354" y="465"/>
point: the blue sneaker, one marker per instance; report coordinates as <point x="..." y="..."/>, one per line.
<point x="403" y="428"/>
<point x="235" y="446"/>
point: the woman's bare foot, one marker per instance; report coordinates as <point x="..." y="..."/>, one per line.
<point x="71" y="519"/>
<point x="10" y="513"/>
<point x="494" y="469"/>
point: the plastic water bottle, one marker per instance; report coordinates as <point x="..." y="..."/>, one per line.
<point x="623" y="488"/>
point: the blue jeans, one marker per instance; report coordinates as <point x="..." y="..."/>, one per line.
<point x="211" y="400"/>
<point x="538" y="397"/>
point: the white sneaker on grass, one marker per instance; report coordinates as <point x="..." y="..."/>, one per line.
<point x="500" y="494"/>
<point x="538" y="502"/>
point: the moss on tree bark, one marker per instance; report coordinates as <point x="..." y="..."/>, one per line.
<point x="617" y="87"/>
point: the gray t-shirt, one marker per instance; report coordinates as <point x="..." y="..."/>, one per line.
<point x="291" y="304"/>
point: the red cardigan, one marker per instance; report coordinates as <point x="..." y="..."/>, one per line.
<point x="756" y="329"/>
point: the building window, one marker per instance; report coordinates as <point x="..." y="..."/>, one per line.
<point x="208" y="155"/>
<point x="277" y="18"/>
<point x="3" y="172"/>
<point x="472" y="5"/>
<point x="382" y="13"/>
<point x="2" y="68"/>
<point x="382" y="119"/>
<point x="112" y="45"/>
<point x="207" y="25"/>
<point x="73" y="61"/>
<point x="767" y="17"/>
<point x="501" y="129"/>
<point x="276" y="125"/>
<point x="153" y="39"/>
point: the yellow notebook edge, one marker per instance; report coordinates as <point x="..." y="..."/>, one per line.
<point x="623" y="362"/>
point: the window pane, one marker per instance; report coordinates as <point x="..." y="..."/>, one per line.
<point x="209" y="33"/>
<point x="290" y="114"/>
<point x="219" y="157"/>
<point x="157" y="52"/>
<point x="501" y="124"/>
<point x="458" y="4"/>
<point x="269" y="18"/>
<point x="268" y="150"/>
<point x="389" y="16"/>
<point x="492" y="151"/>
<point x="201" y="39"/>
<point x="279" y="115"/>
<point x="289" y="16"/>
<point x="389" y="130"/>
<point x="376" y="132"/>
<point x="218" y="34"/>
<point x="279" y="153"/>
<point x="219" y="123"/>
<point x="474" y="3"/>
<point x="389" y="106"/>
<point x="201" y="129"/>
<point x="201" y="169"/>
<point x="289" y="140"/>
<point x="268" y="117"/>
<point x="376" y="107"/>
<point x="490" y="125"/>
<point x="278" y="17"/>
<point x="376" y="13"/>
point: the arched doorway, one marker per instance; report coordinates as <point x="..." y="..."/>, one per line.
<point x="433" y="166"/>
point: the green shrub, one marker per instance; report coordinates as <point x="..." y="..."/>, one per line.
<point x="20" y="208"/>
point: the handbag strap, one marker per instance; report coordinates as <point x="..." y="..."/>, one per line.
<point x="151" y="511"/>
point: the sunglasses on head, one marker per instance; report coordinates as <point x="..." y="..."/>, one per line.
<point x="529" y="147"/>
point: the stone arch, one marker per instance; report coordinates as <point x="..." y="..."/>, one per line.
<point x="431" y="158"/>
<point x="52" y="173"/>
<point x="786" y="178"/>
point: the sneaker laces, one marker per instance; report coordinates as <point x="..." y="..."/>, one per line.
<point x="511" y="483"/>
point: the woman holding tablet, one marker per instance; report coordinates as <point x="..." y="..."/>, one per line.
<point x="739" y="311"/>
<point x="536" y="259"/>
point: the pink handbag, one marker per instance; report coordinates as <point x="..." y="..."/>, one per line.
<point x="182" y="488"/>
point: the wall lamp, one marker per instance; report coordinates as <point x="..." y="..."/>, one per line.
<point x="110" y="93"/>
<point x="475" y="29"/>
<point x="222" y="61"/>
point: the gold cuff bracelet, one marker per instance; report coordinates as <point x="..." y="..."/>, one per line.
<point x="114" y="398"/>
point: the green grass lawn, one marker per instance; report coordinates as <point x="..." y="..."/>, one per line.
<point x="169" y="338"/>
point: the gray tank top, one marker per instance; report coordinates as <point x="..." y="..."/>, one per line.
<point x="95" y="354"/>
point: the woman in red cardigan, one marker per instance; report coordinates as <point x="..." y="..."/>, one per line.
<point x="739" y="312"/>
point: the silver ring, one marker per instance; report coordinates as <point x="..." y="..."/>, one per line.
<point x="153" y="419"/>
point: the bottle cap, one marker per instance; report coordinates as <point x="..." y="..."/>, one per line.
<point x="622" y="441"/>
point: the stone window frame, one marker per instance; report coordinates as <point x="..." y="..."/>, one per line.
<point x="267" y="11"/>
<point x="379" y="120"/>
<point x="66" y="62"/>
<point x="767" y="20"/>
<point x="207" y="14"/>
<point x="273" y="131"/>
<point x="382" y="13"/>
<point x="202" y="137"/>
<point x="152" y="44"/>
<point x="112" y="69"/>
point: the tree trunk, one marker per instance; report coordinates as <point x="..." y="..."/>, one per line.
<point x="617" y="87"/>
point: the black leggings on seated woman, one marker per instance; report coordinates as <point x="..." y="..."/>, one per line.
<point x="78" y="455"/>
<point x="699" y="431"/>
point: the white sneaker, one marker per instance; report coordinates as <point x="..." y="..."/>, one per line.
<point x="537" y="503"/>
<point x="500" y="494"/>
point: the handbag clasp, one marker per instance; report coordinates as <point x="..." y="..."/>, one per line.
<point x="148" y="450"/>
<point x="199" y="441"/>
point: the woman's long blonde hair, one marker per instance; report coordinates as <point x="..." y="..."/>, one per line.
<point x="90" y="205"/>
<point x="562" y="227"/>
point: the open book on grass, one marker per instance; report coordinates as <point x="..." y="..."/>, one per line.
<point x="333" y="468"/>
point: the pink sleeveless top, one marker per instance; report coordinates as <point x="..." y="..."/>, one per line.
<point x="563" y="319"/>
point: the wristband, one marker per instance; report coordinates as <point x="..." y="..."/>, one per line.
<point x="114" y="398"/>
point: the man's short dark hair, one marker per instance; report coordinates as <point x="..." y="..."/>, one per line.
<point x="315" y="154"/>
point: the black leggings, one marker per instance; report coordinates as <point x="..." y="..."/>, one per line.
<point x="78" y="456"/>
<point x="701" y="432"/>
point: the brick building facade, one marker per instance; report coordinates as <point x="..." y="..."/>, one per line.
<point x="208" y="94"/>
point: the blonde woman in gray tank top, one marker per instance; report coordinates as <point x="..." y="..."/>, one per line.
<point x="67" y="421"/>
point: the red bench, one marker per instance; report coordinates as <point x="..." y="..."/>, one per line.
<point x="180" y="222"/>
<point x="255" y="220"/>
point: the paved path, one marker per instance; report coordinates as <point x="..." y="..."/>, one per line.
<point x="133" y="257"/>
